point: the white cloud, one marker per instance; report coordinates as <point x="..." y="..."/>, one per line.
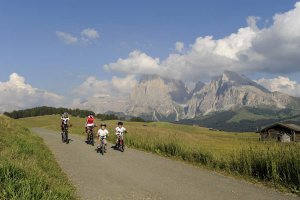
<point x="115" y="87"/>
<point x="104" y="95"/>
<point x="281" y="84"/>
<point x="273" y="49"/>
<point x="136" y="63"/>
<point x="179" y="46"/>
<point x="92" y="86"/>
<point x="124" y="85"/>
<point x="251" y="21"/>
<point x="87" y="35"/>
<point x="15" y="93"/>
<point x="66" y="37"/>
<point x="90" y="33"/>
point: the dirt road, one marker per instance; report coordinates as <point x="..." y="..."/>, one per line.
<point x="139" y="175"/>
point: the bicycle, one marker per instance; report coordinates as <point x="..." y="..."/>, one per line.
<point x="120" y="144"/>
<point x="64" y="134"/>
<point x="102" y="147"/>
<point x="90" y="137"/>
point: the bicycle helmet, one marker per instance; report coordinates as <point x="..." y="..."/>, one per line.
<point x="65" y="114"/>
<point x="120" y="123"/>
<point x="103" y="124"/>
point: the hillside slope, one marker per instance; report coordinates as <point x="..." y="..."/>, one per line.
<point x="244" y="119"/>
<point x="28" y="169"/>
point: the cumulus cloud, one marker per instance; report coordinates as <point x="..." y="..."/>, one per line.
<point x="179" y="46"/>
<point x="251" y="21"/>
<point x="87" y="35"/>
<point x="90" y="33"/>
<point x="114" y="87"/>
<point x="136" y="63"/>
<point x="281" y="84"/>
<point x="66" y="37"/>
<point x="104" y="95"/>
<point x="124" y="85"/>
<point x="15" y="93"/>
<point x="93" y="86"/>
<point x="273" y="49"/>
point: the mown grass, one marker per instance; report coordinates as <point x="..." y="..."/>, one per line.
<point x="28" y="170"/>
<point x="237" y="153"/>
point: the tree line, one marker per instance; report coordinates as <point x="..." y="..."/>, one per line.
<point x="44" y="110"/>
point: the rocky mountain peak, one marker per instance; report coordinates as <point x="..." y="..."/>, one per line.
<point x="175" y="88"/>
<point x="149" y="77"/>
<point x="198" y="86"/>
<point x="164" y="98"/>
<point x="231" y="78"/>
<point x="158" y="97"/>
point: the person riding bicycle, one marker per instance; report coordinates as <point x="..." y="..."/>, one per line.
<point x="65" y="121"/>
<point x="102" y="134"/>
<point x="120" y="130"/>
<point x="89" y="125"/>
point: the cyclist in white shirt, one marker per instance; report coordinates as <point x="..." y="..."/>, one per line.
<point x="120" y="130"/>
<point x="65" y="121"/>
<point x="102" y="134"/>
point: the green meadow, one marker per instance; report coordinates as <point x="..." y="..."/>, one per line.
<point x="28" y="169"/>
<point x="240" y="154"/>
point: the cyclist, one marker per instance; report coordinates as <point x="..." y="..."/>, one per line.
<point x="65" y="121"/>
<point x="102" y="134"/>
<point x="120" y="130"/>
<point x="89" y="125"/>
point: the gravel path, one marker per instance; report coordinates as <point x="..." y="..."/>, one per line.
<point x="138" y="175"/>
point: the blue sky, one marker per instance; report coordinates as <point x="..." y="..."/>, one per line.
<point x="30" y="47"/>
<point x="60" y="52"/>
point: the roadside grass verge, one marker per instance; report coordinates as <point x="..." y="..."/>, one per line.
<point x="28" y="169"/>
<point x="241" y="154"/>
<point x="276" y="163"/>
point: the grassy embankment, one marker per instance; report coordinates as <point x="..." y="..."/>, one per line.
<point x="237" y="153"/>
<point x="28" y="170"/>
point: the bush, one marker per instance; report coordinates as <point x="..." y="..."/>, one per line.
<point x="137" y="119"/>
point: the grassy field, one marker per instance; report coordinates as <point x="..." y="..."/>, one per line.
<point x="220" y="143"/>
<point x="28" y="169"/>
<point x="243" y="114"/>
<point x="237" y="153"/>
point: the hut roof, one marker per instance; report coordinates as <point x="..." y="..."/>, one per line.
<point x="293" y="127"/>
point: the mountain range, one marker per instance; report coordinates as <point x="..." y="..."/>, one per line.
<point x="158" y="98"/>
<point x="229" y="102"/>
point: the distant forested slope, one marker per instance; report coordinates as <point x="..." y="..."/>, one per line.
<point x="44" y="110"/>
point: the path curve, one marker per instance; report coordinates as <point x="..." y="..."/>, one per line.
<point x="138" y="175"/>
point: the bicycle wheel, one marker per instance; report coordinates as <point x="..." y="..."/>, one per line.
<point x="89" y="138"/>
<point x="92" y="139"/>
<point x="62" y="137"/>
<point x="102" y="149"/>
<point x="67" y="137"/>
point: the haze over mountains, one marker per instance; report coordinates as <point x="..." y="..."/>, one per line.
<point x="230" y="102"/>
<point x="159" y="98"/>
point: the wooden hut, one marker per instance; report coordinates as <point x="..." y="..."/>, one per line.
<point x="281" y="132"/>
